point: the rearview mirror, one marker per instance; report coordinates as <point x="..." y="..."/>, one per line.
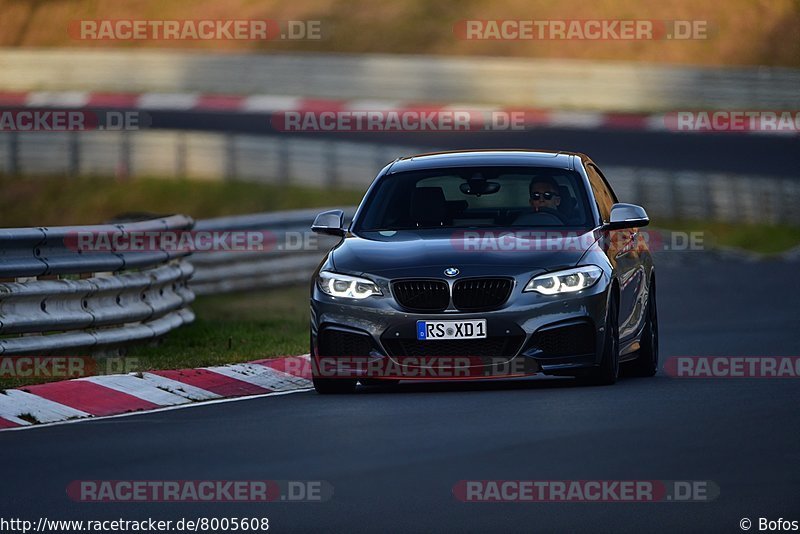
<point x="627" y="216"/>
<point x="329" y="222"/>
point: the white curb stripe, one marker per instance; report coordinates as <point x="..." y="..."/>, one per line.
<point x="268" y="103"/>
<point x="167" y="101"/>
<point x="69" y="99"/>
<point x="16" y="402"/>
<point x="138" y="387"/>
<point x="260" y="375"/>
<point x="187" y="391"/>
<point x="575" y="119"/>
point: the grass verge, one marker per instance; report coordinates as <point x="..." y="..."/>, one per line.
<point x="52" y="201"/>
<point x="765" y="239"/>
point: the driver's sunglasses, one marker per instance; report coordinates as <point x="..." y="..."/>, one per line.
<point x="539" y="196"/>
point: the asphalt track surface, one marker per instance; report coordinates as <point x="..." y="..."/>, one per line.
<point x="393" y="455"/>
<point x="750" y="154"/>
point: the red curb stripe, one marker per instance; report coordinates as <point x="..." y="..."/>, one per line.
<point x="220" y="102"/>
<point x="318" y="105"/>
<point x="532" y="116"/>
<point x="624" y="120"/>
<point x="13" y="98"/>
<point x="292" y="365"/>
<point x="5" y="423"/>
<point x="113" y="100"/>
<point x="90" y="397"/>
<point x="213" y="382"/>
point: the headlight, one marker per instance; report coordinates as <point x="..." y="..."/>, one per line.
<point x="565" y="281"/>
<point x="342" y="285"/>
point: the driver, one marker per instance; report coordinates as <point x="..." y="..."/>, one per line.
<point x="544" y="194"/>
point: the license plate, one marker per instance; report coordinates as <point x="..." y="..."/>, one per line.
<point x="474" y="329"/>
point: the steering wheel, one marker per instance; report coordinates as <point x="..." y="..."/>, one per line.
<point x="544" y="217"/>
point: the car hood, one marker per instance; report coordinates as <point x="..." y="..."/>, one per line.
<point x="473" y="252"/>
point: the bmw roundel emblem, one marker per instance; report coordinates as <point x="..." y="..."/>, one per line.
<point x="451" y="271"/>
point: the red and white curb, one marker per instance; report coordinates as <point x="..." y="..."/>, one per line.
<point x="273" y="104"/>
<point x="269" y="104"/>
<point x="100" y="396"/>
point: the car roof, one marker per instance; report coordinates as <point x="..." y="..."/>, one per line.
<point x="469" y="158"/>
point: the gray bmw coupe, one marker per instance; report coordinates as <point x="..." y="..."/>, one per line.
<point x="484" y="264"/>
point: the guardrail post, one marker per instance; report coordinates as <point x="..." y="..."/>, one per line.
<point x="180" y="156"/>
<point x="230" y="157"/>
<point x="124" y="166"/>
<point x="331" y="164"/>
<point x="13" y="153"/>
<point x="708" y="191"/>
<point x="74" y="154"/>
<point x="284" y="163"/>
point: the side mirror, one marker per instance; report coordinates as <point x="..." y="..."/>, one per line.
<point x="330" y="223"/>
<point x="627" y="216"/>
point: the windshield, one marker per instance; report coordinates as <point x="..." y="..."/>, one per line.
<point x="477" y="197"/>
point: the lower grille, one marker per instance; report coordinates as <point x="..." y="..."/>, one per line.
<point x="341" y="344"/>
<point x="481" y="294"/>
<point x="422" y="295"/>
<point x="490" y="347"/>
<point x="565" y="340"/>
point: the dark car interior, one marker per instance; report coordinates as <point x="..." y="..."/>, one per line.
<point x="440" y="201"/>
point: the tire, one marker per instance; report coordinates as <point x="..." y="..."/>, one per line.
<point x="334" y="386"/>
<point x="646" y="363"/>
<point x="607" y="372"/>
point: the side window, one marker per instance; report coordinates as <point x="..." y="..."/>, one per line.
<point x="602" y="192"/>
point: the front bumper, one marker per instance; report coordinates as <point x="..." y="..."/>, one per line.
<point x="529" y="334"/>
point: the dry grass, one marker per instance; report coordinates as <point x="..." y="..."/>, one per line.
<point x="745" y="32"/>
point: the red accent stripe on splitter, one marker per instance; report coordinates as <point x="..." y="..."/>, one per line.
<point x="213" y="382"/>
<point x="5" y="423"/>
<point x="90" y="397"/>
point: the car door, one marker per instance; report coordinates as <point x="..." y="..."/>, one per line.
<point x="623" y="252"/>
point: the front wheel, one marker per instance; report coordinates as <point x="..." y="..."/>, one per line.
<point x="608" y="370"/>
<point x="646" y="363"/>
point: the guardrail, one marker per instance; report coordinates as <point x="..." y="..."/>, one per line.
<point x="345" y="164"/>
<point x="56" y="297"/>
<point x="292" y="254"/>
<point x="545" y="83"/>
